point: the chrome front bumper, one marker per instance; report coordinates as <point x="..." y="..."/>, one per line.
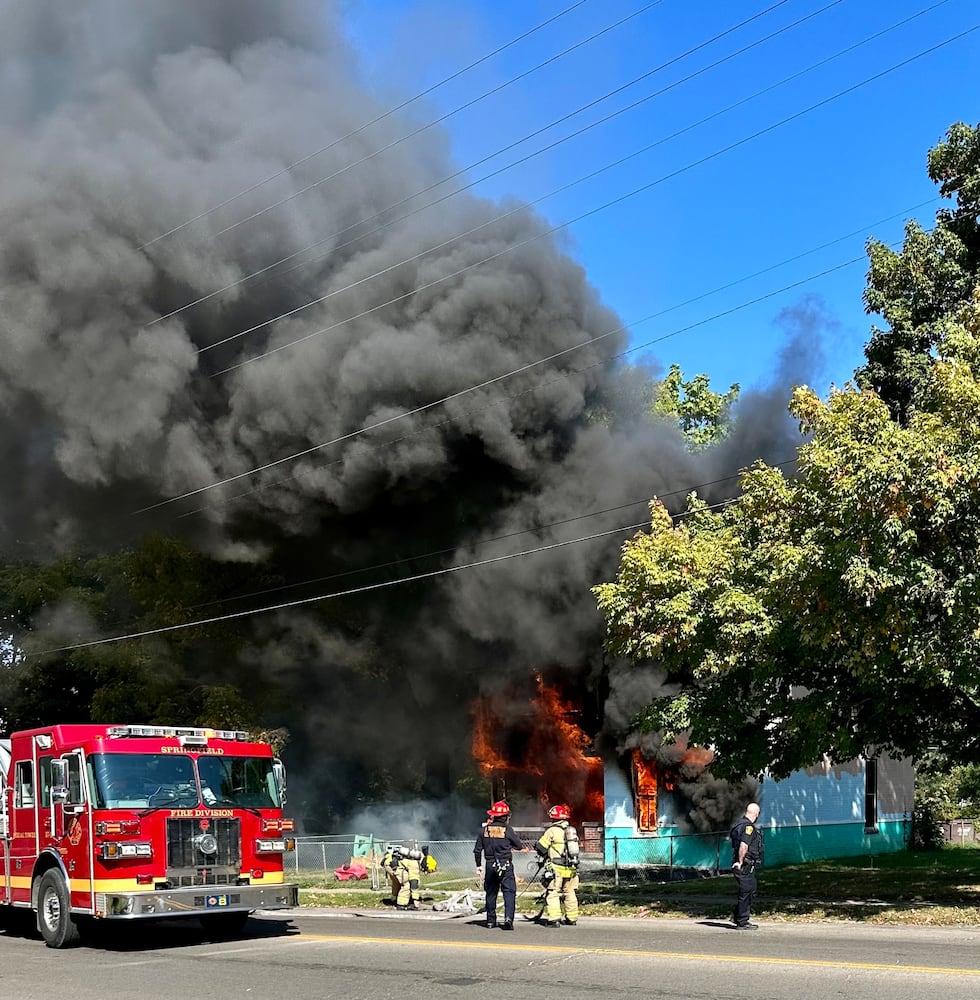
<point x="195" y="901"/>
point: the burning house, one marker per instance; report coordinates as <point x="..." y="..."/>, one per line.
<point x="655" y="803"/>
<point x="536" y="753"/>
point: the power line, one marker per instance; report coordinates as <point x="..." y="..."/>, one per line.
<point x="526" y="205"/>
<point x="361" y="128"/>
<point x="483" y="541"/>
<point x="366" y="588"/>
<point x="575" y="371"/>
<point x="609" y="204"/>
<point x="498" y="378"/>
<point x="443" y="118"/>
<point x="524" y="159"/>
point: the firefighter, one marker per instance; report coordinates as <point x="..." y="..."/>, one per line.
<point x="747" y="849"/>
<point x="558" y="848"/>
<point x="402" y="867"/>
<point x="496" y="843"/>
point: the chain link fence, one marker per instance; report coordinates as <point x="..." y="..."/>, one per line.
<point x="454" y="858"/>
<point x="661" y="858"/>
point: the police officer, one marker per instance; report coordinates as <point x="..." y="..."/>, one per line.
<point x="496" y="843"/>
<point x="402" y="868"/>
<point x="558" y="847"/>
<point x="747" y="847"/>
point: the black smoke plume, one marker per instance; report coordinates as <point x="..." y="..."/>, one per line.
<point x="119" y="122"/>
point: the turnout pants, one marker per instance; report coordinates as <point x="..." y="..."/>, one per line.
<point x="561" y="890"/>
<point x="405" y="882"/>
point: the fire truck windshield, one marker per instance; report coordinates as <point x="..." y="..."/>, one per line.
<point x="142" y="780"/>
<point x="154" y="780"/>
<point x="249" y="782"/>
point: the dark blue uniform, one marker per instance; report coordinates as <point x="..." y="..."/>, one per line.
<point x="496" y="843"/>
<point x="745" y="831"/>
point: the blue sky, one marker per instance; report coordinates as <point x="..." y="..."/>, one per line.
<point x="855" y="167"/>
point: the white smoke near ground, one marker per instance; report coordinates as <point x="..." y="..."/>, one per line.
<point x="119" y="121"/>
<point x="416" y="823"/>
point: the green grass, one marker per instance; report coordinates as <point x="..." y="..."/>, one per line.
<point x="932" y="887"/>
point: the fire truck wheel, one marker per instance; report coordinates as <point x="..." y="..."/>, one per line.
<point x="224" y="925"/>
<point x="54" y="919"/>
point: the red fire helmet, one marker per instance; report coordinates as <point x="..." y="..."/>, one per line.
<point x="559" y="812"/>
<point x="499" y="809"/>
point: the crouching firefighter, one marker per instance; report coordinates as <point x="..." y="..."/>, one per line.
<point x="496" y="843"/>
<point x="403" y="867"/>
<point x="558" y="847"/>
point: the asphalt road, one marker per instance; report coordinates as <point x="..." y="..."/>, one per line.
<point x="322" y="955"/>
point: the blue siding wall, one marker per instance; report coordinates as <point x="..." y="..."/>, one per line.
<point x="814" y="813"/>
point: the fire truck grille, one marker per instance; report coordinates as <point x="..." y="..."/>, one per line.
<point x="187" y="864"/>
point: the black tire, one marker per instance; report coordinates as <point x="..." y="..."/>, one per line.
<point x="54" y="919"/>
<point x="224" y="925"/>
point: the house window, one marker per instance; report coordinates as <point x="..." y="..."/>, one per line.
<point x="871" y="796"/>
<point x="645" y="790"/>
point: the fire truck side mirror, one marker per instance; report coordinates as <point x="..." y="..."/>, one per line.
<point x="59" y="781"/>
<point x="280" y="772"/>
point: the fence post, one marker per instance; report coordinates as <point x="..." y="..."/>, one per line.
<point x="718" y="855"/>
<point x="323" y="854"/>
<point x="670" y="868"/>
<point x="616" y="861"/>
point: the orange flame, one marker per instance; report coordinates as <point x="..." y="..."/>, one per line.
<point x="533" y="744"/>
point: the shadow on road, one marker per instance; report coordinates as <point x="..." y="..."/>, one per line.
<point x="145" y="935"/>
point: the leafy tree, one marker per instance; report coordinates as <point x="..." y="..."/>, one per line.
<point x="193" y="676"/>
<point x="934" y="274"/>
<point x="704" y="416"/>
<point x="952" y="791"/>
<point x="835" y="612"/>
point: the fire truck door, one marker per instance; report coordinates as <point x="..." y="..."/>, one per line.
<point x="23" y="821"/>
<point x="70" y="824"/>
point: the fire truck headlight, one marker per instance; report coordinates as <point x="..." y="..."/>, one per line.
<point x="275" y="846"/>
<point x="114" y="850"/>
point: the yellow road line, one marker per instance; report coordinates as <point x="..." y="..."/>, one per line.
<point x="810" y="963"/>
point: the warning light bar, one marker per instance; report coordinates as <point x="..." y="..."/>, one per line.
<point x="191" y="734"/>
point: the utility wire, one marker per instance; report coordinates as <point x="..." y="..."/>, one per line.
<point x="609" y="204"/>
<point x="366" y="588"/>
<point x="474" y="411"/>
<point x="443" y="118"/>
<point x="366" y="125"/>
<point x="524" y="206"/>
<point x="498" y="378"/>
<point x="481" y="542"/>
<point x="524" y="159"/>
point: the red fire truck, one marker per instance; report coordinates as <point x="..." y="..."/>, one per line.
<point x="134" y="822"/>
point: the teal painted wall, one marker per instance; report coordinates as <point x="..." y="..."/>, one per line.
<point x="784" y="845"/>
<point x="789" y="845"/>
